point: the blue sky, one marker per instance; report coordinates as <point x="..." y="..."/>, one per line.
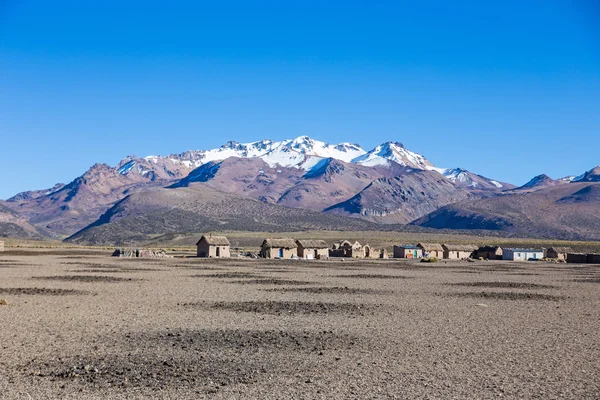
<point x="507" y="89"/>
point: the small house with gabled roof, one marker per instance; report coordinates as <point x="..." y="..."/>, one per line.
<point x="432" y="249"/>
<point x="210" y="246"/>
<point x="559" y="253"/>
<point x="408" y="251"/>
<point x="312" y="249"/>
<point x="458" y="251"/>
<point x="278" y="248"/>
<point x="490" y="252"/>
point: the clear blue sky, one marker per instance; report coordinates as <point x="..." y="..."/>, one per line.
<point x="507" y="89"/>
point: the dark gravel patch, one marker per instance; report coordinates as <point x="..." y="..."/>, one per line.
<point x="329" y="290"/>
<point x="69" y="253"/>
<point x="43" y="291"/>
<point x="203" y="360"/>
<point x="370" y="276"/>
<point x="229" y="275"/>
<point x="504" y="285"/>
<point x="272" y="281"/>
<point x="292" y="307"/>
<point x="588" y="280"/>
<point x="85" y="278"/>
<point x="507" y="296"/>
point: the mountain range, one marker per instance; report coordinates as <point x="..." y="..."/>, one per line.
<point x="297" y="184"/>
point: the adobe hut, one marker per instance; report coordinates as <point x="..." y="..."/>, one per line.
<point x="213" y="247"/>
<point x="278" y="248"/>
<point x="522" y="254"/>
<point x="408" y="251"/>
<point x="312" y="249"/>
<point x="432" y="249"/>
<point x="560" y="253"/>
<point x="383" y="253"/>
<point x="489" y="252"/>
<point x="458" y="251"/>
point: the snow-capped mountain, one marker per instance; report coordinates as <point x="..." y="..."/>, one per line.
<point x="301" y="173"/>
<point x="469" y="180"/>
<point x="286" y="153"/>
<point x="593" y="175"/>
<point x="386" y="153"/>
<point x="302" y="152"/>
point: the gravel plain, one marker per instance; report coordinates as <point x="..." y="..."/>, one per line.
<point x="83" y="325"/>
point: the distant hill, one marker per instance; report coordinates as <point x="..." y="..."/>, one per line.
<point x="13" y="225"/>
<point x="402" y="199"/>
<point x="141" y="216"/>
<point x="566" y="211"/>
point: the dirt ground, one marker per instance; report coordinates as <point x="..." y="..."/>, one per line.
<point x="83" y="325"/>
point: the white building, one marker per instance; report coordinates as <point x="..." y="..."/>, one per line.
<point x="522" y="254"/>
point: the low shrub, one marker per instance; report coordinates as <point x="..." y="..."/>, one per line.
<point x="429" y="259"/>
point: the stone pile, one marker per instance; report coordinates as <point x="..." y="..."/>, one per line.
<point x="139" y="253"/>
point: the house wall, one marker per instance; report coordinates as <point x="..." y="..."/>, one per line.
<point x="312" y="254"/>
<point x="577" y="258"/>
<point x="490" y="255"/>
<point x="521" y="255"/>
<point x="275" y="252"/>
<point x="593" y="258"/>
<point x="435" y="253"/>
<point x="204" y="250"/>
<point x="554" y="254"/>
<point x="456" y="255"/>
<point x="1" y="246"/>
<point x="400" y="252"/>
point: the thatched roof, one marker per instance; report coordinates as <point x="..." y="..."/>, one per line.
<point x="286" y="243"/>
<point x="312" y="244"/>
<point x="430" y="246"/>
<point x="561" y="249"/>
<point x="214" y="240"/>
<point x="459" y="247"/>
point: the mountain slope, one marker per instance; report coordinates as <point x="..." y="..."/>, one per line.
<point x="141" y="216"/>
<point x="567" y="211"/>
<point x="13" y="225"/>
<point x="401" y="199"/>
<point x="82" y="201"/>
<point x="475" y="182"/>
<point x="540" y="182"/>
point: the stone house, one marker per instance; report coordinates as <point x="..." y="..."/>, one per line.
<point x="278" y="248"/>
<point x="312" y="249"/>
<point x="408" y="251"/>
<point x="458" y="251"/>
<point x="213" y="247"/>
<point x="432" y="250"/>
<point x="559" y="253"/>
<point x="489" y="252"/>
<point x="347" y="249"/>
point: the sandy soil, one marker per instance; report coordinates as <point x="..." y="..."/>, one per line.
<point x="84" y="326"/>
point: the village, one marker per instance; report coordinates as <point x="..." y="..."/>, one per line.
<point x="210" y="246"/>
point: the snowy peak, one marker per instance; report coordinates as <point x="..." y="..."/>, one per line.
<point x="593" y="175"/>
<point x="467" y="179"/>
<point x="395" y="152"/>
<point x="540" y="180"/>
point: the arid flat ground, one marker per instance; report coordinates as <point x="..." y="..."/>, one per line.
<point x="80" y="324"/>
